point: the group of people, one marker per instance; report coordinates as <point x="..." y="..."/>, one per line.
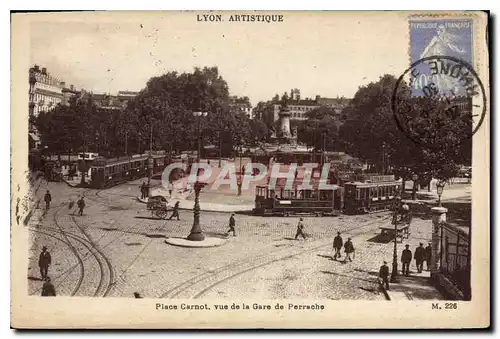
<point x="421" y="254"/>
<point x="80" y="203"/>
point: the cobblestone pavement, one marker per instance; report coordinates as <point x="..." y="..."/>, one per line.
<point x="116" y="249"/>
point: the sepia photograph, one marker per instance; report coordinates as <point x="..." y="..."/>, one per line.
<point x="250" y="169"/>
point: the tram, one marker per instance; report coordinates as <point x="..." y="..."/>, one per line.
<point x="285" y="202"/>
<point x="110" y="172"/>
<point x="376" y="193"/>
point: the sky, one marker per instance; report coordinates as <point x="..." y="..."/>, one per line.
<point x="320" y="53"/>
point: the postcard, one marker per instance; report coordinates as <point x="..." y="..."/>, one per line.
<point x="250" y="169"/>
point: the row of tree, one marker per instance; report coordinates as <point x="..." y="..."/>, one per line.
<point x="162" y="114"/>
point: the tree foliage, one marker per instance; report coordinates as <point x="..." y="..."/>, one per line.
<point x="161" y="114"/>
<point x="372" y="134"/>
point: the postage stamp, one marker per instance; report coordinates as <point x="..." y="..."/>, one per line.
<point x="441" y="73"/>
<point x="206" y="170"/>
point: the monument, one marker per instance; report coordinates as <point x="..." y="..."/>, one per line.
<point x="285" y="137"/>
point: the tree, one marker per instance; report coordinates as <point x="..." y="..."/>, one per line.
<point x="371" y="133"/>
<point x="320" y="129"/>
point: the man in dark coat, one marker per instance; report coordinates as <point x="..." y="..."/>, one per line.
<point x="300" y="229"/>
<point x="348" y="249"/>
<point x="175" y="212"/>
<point x="406" y="260"/>
<point x="48" y="290"/>
<point x="420" y="257"/>
<point x="428" y="256"/>
<point x="337" y="246"/>
<point x="143" y="191"/>
<point x="44" y="261"/>
<point x="81" y="205"/>
<point x="47" y="199"/>
<point x="384" y="275"/>
<point x="232" y="224"/>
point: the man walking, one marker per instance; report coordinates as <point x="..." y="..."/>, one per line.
<point x="81" y="205"/>
<point x="300" y="229"/>
<point x="48" y="290"/>
<point x="175" y="212"/>
<point x="337" y="246"/>
<point x="406" y="260"/>
<point x="348" y="249"/>
<point x="420" y="257"/>
<point x="44" y="261"/>
<point x="47" y="199"/>
<point x="232" y="224"/>
<point x="384" y="275"/>
<point x="428" y="256"/>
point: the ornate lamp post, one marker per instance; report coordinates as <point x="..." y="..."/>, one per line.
<point x="440" y="188"/>
<point x="196" y="232"/>
<point x="394" y="273"/>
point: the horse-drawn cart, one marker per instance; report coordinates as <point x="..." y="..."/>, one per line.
<point x="158" y="205"/>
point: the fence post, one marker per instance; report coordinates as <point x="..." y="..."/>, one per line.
<point x="438" y="218"/>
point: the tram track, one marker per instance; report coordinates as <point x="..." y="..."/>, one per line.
<point x="199" y="285"/>
<point x="69" y="271"/>
<point x="89" y="257"/>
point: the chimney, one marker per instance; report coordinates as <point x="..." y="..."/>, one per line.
<point x="44" y="70"/>
<point x="63" y="84"/>
<point x="71" y="87"/>
<point x="37" y="68"/>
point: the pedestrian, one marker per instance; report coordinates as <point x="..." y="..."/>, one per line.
<point x="428" y="256"/>
<point x="420" y="257"/>
<point x="44" y="261"/>
<point x="232" y="224"/>
<point x="337" y="246"/>
<point x="300" y="229"/>
<point x="406" y="260"/>
<point x="384" y="275"/>
<point x="81" y="205"/>
<point x="175" y="212"/>
<point x="48" y="290"/>
<point x="48" y="199"/>
<point x="170" y="189"/>
<point x="348" y="249"/>
<point x="143" y="190"/>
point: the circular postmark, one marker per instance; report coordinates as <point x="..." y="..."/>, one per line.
<point x="439" y="102"/>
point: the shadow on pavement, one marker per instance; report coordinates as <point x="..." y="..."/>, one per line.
<point x="325" y="256"/>
<point x="148" y="218"/>
<point x="380" y="239"/>
<point x="34" y="278"/>
<point x="416" y="287"/>
<point x="217" y="235"/>
<point x="348" y="276"/>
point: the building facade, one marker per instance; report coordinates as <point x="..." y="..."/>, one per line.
<point x="300" y="107"/>
<point x="116" y="102"/>
<point x="45" y="91"/>
<point x="240" y="105"/>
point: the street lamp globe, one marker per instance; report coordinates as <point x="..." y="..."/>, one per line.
<point x="440" y="187"/>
